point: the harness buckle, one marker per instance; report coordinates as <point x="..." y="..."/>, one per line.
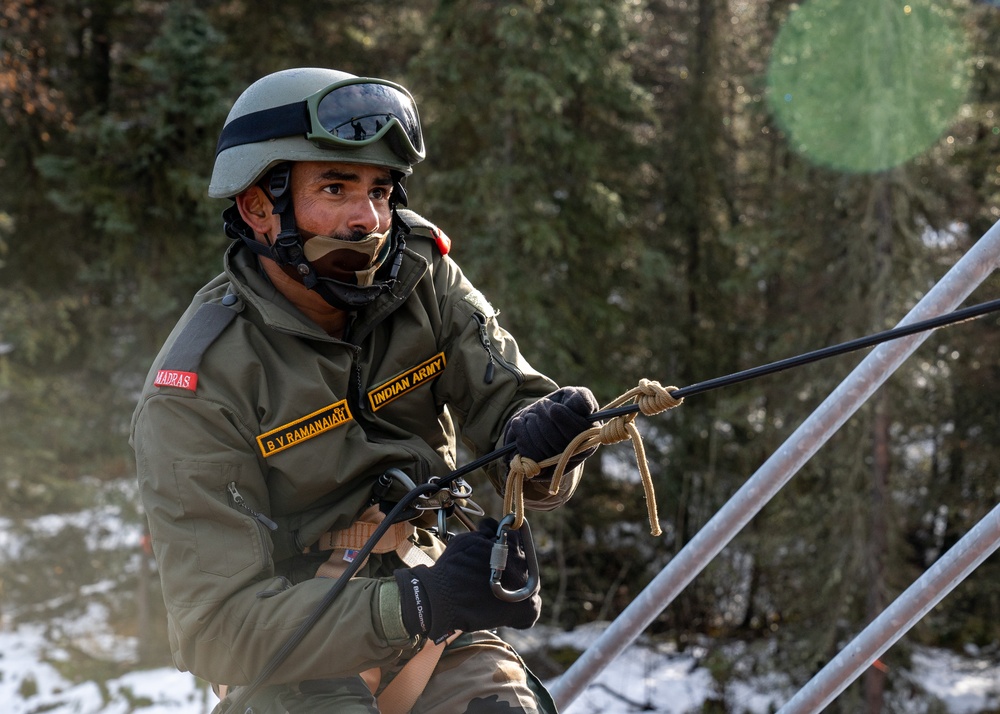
<point x="451" y="500"/>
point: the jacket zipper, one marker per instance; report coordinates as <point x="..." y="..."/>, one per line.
<point x="494" y="354"/>
<point x="357" y="388"/>
<point x="242" y="503"/>
<point x="356" y="400"/>
<point x="355" y="393"/>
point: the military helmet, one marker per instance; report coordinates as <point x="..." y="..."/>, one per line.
<point x="313" y="114"/>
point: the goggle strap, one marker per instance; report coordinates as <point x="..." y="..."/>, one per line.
<point x="273" y="123"/>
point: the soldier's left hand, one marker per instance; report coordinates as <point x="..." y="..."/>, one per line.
<point x="546" y="427"/>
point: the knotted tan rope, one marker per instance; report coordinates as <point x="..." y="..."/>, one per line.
<point x="650" y="396"/>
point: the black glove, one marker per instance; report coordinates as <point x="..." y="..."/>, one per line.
<point x="455" y="593"/>
<point x="545" y="428"/>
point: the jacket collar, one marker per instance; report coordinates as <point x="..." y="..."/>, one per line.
<point x="278" y="312"/>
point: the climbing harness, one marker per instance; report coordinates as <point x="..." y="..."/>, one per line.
<point x="649" y="397"/>
<point x="343" y="544"/>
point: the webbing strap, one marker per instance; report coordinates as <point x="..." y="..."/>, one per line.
<point x="273" y="123"/>
<point x="405" y="689"/>
<point x="355" y="536"/>
<point x="398" y="539"/>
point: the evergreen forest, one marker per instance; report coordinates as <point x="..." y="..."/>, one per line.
<point x="664" y="189"/>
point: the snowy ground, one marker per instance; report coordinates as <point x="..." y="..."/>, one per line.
<point x="642" y="679"/>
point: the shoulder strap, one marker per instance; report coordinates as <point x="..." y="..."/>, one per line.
<point x="180" y="366"/>
<point x="420" y="226"/>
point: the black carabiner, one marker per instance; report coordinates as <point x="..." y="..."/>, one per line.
<point x="498" y="562"/>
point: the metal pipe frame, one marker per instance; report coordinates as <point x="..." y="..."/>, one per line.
<point x="897" y="619"/>
<point x="949" y="292"/>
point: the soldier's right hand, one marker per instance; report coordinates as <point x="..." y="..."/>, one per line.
<point x="455" y="592"/>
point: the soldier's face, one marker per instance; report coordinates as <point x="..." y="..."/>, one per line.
<point x="346" y="201"/>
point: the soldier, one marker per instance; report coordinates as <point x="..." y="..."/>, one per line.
<point x="340" y="344"/>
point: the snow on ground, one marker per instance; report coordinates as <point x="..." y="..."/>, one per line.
<point x="656" y="677"/>
<point x="644" y="678"/>
<point x="967" y="685"/>
<point x="30" y="683"/>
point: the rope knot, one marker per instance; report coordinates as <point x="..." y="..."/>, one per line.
<point x="654" y="398"/>
<point x="524" y="467"/>
<point x="615" y="430"/>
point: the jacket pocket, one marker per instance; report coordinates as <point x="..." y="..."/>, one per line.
<point x="226" y="539"/>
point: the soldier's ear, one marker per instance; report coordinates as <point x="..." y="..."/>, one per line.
<point x="256" y="210"/>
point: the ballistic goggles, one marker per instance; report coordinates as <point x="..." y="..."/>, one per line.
<point x="351" y="113"/>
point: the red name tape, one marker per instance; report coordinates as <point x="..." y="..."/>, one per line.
<point x="173" y="378"/>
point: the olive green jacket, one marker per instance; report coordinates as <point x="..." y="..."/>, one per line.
<point x="270" y="421"/>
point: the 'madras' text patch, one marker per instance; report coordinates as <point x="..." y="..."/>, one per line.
<point x="307" y="427"/>
<point x="175" y="378"/>
<point x="406" y="382"/>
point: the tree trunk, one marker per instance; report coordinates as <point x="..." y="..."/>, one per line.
<point x="878" y="539"/>
<point x="878" y="532"/>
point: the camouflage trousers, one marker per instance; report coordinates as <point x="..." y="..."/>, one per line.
<point x="478" y="673"/>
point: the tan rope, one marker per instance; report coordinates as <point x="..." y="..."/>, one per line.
<point x="650" y="396"/>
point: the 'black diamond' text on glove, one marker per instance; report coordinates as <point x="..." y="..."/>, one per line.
<point x="455" y="593"/>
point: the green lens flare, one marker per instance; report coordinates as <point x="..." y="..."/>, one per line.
<point x="865" y="85"/>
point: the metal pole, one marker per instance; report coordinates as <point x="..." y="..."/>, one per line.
<point x="897" y="619"/>
<point x="945" y="296"/>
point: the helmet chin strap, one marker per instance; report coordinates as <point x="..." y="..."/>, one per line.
<point x="287" y="248"/>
